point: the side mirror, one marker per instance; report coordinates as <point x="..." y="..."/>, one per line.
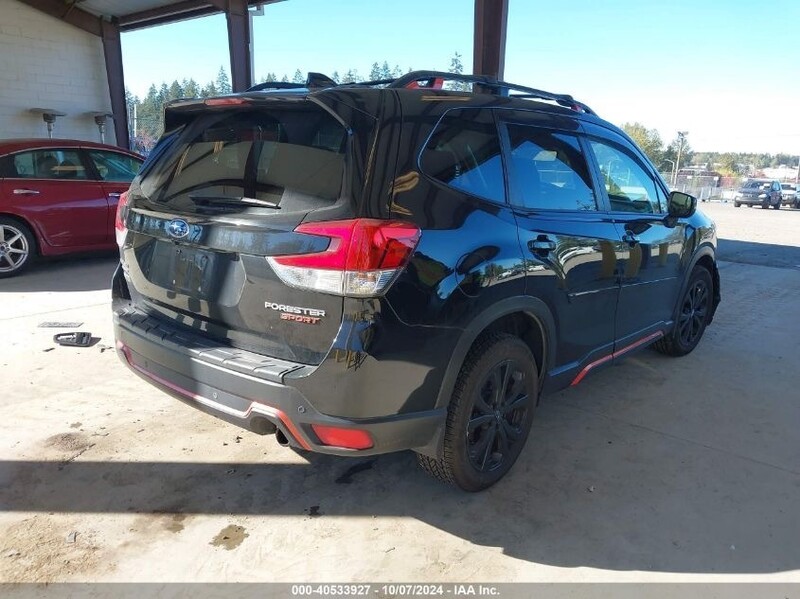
<point x="681" y="205"/>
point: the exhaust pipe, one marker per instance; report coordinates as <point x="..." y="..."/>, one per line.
<point x="281" y="438"/>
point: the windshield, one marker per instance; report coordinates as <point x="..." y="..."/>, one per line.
<point x="285" y="159"/>
<point x="757" y="185"/>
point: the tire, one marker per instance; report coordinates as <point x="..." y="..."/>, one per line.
<point x="777" y="206"/>
<point x="737" y="204"/>
<point x="17" y="247"/>
<point x="484" y="434"/>
<point x="694" y="312"/>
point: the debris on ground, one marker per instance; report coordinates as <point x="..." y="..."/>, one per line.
<point x="54" y="324"/>
<point x="313" y="511"/>
<point x="590" y="488"/>
<point x="48" y="349"/>
<point x="75" y="339"/>
<point x="72" y="537"/>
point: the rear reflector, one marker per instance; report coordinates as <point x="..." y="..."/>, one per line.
<point x="120" y="230"/>
<point x="362" y="259"/>
<point x="347" y="438"/>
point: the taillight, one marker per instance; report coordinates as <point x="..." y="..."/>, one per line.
<point x="119" y="222"/>
<point x="362" y="259"/>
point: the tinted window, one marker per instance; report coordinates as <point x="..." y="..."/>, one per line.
<point x="630" y="188"/>
<point x="290" y="159"/>
<point x="115" y="167"/>
<point x="47" y="164"/>
<point x="548" y="170"/>
<point x="465" y="154"/>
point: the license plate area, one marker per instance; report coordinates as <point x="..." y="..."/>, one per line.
<point x="185" y="270"/>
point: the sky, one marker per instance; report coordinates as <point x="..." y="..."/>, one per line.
<point x="726" y="71"/>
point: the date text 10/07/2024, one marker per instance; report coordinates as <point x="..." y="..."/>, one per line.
<point x="395" y="590"/>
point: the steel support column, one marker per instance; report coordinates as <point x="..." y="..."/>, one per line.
<point x="239" y="44"/>
<point x="112" y="49"/>
<point x="489" y="47"/>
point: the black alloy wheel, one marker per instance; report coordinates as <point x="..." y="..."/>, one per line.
<point x="498" y="414"/>
<point x="490" y="414"/>
<point x="693" y="315"/>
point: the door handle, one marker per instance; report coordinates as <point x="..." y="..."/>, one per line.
<point x="114" y="195"/>
<point x="630" y="239"/>
<point x="542" y="245"/>
<point x="25" y="192"/>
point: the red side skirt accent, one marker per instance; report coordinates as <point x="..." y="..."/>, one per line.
<point x="616" y="354"/>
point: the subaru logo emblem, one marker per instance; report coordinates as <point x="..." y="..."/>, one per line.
<point x="178" y="228"/>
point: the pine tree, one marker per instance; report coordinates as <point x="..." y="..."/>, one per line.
<point x="191" y="89"/>
<point x="209" y="90"/>
<point x="335" y="76"/>
<point x="457" y="67"/>
<point x="298" y="77"/>
<point x="284" y="79"/>
<point x="223" y="83"/>
<point x="375" y="72"/>
<point x="175" y="91"/>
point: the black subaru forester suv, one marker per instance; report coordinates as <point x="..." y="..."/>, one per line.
<point x="367" y="268"/>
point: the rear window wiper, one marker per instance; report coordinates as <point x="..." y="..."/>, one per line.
<point x="232" y="201"/>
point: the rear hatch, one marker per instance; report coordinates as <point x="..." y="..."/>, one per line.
<point x="223" y="191"/>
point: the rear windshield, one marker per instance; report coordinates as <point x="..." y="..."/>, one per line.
<point x="286" y="160"/>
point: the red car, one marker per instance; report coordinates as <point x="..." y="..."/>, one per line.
<point x="59" y="196"/>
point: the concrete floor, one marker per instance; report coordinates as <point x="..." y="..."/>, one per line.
<point x="656" y="469"/>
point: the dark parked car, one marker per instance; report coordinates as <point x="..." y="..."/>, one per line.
<point x="759" y="192"/>
<point x="58" y="196"/>
<point x="360" y="270"/>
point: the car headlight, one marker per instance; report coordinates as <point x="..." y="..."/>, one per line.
<point x="738" y="195"/>
<point x="762" y="196"/>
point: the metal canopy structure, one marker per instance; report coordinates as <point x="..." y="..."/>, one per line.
<point x="107" y="19"/>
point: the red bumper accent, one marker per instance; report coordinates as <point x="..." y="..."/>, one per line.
<point x="262" y="408"/>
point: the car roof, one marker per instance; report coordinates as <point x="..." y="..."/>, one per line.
<point x="8" y="146"/>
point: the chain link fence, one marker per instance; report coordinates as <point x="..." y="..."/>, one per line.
<point x="705" y="187"/>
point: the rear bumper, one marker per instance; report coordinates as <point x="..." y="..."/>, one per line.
<point x="754" y="201"/>
<point x="261" y="406"/>
<point x="253" y="401"/>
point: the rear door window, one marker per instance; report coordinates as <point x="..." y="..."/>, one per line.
<point x="113" y="166"/>
<point x="278" y="159"/>
<point x="548" y="171"/>
<point x="464" y="153"/>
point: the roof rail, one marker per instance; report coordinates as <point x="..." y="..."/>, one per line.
<point x="435" y="79"/>
<point x="313" y="81"/>
<point x="495" y="86"/>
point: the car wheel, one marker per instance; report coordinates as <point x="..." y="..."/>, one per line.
<point x="490" y="414"/>
<point x="777" y="206"/>
<point x="17" y="247"/>
<point x="693" y="314"/>
<point x="737" y="205"/>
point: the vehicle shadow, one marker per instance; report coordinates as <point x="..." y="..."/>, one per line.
<point x="85" y="273"/>
<point x="759" y="254"/>
<point x="586" y="492"/>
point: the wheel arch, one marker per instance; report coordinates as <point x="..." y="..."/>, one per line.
<point x="527" y="317"/>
